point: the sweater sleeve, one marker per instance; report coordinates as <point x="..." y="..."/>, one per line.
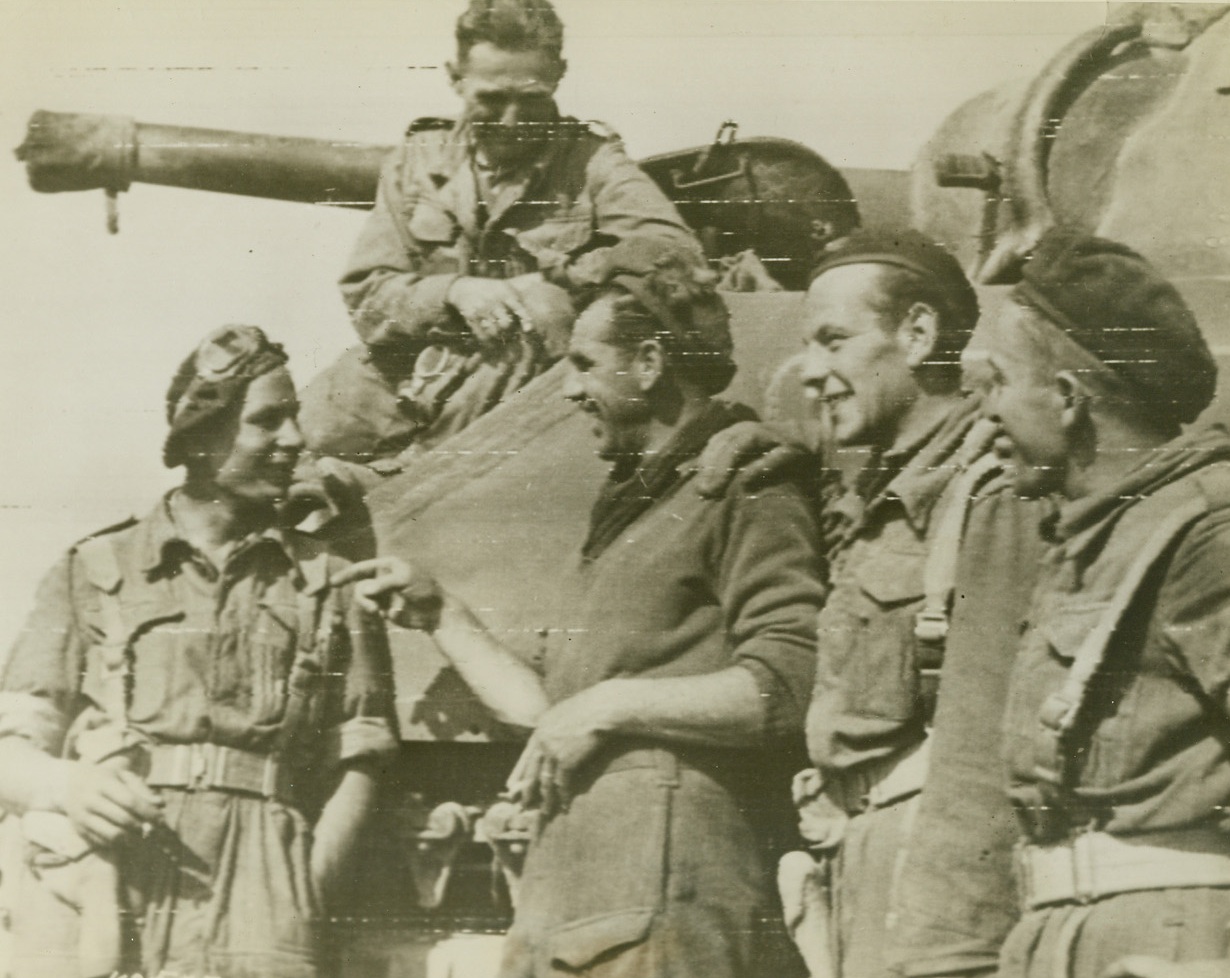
<point x="772" y="584"/>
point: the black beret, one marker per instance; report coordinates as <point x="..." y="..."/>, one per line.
<point x="909" y="249"/>
<point x="1117" y="306"/>
<point x="212" y="381"/>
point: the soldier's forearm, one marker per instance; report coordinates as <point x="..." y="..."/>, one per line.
<point x="508" y="687"/>
<point x="33" y="780"/>
<point x="720" y="709"/>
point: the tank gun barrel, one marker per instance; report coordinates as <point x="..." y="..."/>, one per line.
<point x="80" y="151"/>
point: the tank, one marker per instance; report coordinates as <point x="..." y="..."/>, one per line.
<point x="1123" y="133"/>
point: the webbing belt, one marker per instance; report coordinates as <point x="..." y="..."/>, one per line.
<point x="212" y="767"/>
<point x="1097" y="864"/>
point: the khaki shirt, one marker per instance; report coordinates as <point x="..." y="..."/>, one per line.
<point x="1152" y="747"/>
<point x="216" y="655"/>
<point x="868" y="702"/>
<point x="432" y="223"/>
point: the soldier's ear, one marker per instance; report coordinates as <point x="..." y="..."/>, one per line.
<point x="919" y="333"/>
<point x="454" y="73"/>
<point x="563" y="68"/>
<point x="1075" y="398"/>
<point x="648" y="364"/>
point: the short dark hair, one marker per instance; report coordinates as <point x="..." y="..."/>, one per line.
<point x="511" y="25"/>
<point x="901" y="288"/>
<point x="698" y="344"/>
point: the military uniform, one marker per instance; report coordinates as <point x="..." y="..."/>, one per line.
<point x="655" y="868"/>
<point x="243" y="689"/>
<point x="956" y="897"/>
<point x="880" y="647"/>
<point x="440" y="215"/>
<point x="1127" y="848"/>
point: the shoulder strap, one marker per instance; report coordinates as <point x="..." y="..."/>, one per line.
<point x="976" y="465"/>
<point x="101" y="564"/>
<point x="1061" y="709"/>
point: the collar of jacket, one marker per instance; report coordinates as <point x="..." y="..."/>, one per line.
<point x="160" y="546"/>
<point x="924" y="467"/>
<point x="457" y="155"/>
<point x="1083" y="522"/>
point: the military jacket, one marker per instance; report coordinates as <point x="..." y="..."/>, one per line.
<point x="868" y="701"/>
<point x="1149" y="750"/>
<point x="259" y="655"/>
<point x="432" y="223"/>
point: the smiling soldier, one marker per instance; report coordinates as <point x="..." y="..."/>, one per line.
<point x="909" y="866"/>
<point x="481" y="227"/>
<point x="186" y="691"/>
<point x="1116" y="728"/>
<point x="679" y="666"/>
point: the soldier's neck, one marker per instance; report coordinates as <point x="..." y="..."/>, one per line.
<point x="214" y="521"/>
<point x="1103" y="453"/>
<point x="925" y="414"/>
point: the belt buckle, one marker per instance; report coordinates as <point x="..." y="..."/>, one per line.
<point x="1084" y="867"/>
<point x="205" y="762"/>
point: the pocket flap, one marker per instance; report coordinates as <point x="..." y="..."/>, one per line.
<point x="892" y="576"/>
<point x="1068" y="625"/>
<point x="579" y="944"/>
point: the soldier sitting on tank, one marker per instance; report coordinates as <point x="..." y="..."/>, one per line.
<point x="186" y="694"/>
<point x="476" y="221"/>
<point x="674" y="674"/>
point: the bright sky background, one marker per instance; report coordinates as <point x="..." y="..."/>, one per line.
<point x="95" y="324"/>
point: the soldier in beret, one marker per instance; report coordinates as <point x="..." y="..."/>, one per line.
<point x="481" y="227"/>
<point x="909" y="869"/>
<point x="193" y="719"/>
<point x="1119" y="706"/>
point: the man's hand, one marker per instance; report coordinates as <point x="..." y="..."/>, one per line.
<point x="566" y="736"/>
<point x="749" y="451"/>
<point x="104" y="803"/>
<point x="490" y="307"/>
<point x="396" y="590"/>
<point x="1144" y="966"/>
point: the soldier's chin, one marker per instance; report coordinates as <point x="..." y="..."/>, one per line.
<point x="1033" y="482"/>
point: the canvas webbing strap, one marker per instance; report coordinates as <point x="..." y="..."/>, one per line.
<point x="1061" y="710"/>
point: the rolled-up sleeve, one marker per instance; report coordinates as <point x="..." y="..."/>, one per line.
<point x="626" y="203"/>
<point x="41" y="677"/>
<point x="368" y="723"/>
<point x="772" y="586"/>
<point x="394" y="285"/>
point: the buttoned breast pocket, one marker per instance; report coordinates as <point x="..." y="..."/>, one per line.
<point x="272" y="647"/>
<point x="880" y="674"/>
<point x="1110" y="699"/>
<point x="136" y="664"/>
<point x="557" y="239"/>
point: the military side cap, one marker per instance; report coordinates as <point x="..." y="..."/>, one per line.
<point x="903" y="248"/>
<point x="1112" y="302"/>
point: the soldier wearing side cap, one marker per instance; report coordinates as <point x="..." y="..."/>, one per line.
<point x="482" y="226"/>
<point x="1119" y="709"/>
<point x="193" y="720"/>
